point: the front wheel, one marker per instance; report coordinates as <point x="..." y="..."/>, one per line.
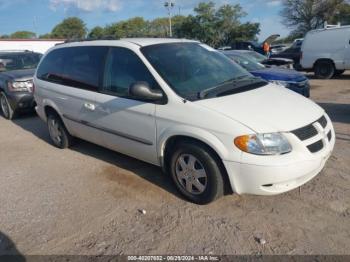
<point x="6" y="108"/>
<point x="324" y="70"/>
<point x="196" y="173"/>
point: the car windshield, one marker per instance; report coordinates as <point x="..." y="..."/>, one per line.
<point x="246" y="62"/>
<point x="12" y="61"/>
<point x="191" y="68"/>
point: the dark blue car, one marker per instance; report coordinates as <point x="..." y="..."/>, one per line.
<point x="288" y="78"/>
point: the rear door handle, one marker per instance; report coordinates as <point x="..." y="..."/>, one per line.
<point x="90" y="106"/>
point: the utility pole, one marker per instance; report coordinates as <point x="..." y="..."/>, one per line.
<point x="35" y="24"/>
<point x="169" y="5"/>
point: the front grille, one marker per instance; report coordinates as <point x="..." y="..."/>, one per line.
<point x="323" y="122"/>
<point x="329" y="136"/>
<point x="316" y="147"/>
<point x="310" y="131"/>
<point x="306" y="132"/>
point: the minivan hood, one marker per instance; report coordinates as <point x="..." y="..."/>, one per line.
<point x="267" y="109"/>
<point x="279" y="74"/>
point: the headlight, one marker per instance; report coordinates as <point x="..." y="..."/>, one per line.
<point x="263" y="144"/>
<point x="21" y="86"/>
<point x="281" y="83"/>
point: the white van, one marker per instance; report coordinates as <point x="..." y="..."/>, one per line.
<point x="327" y="51"/>
<point x="187" y="108"/>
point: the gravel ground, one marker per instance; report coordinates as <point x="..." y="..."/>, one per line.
<point x="87" y="200"/>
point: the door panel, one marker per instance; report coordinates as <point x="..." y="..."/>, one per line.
<point x="73" y="76"/>
<point x="127" y="125"/>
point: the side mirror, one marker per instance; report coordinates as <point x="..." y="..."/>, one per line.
<point x="142" y="91"/>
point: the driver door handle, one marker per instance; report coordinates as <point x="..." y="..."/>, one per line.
<point x="90" y="106"/>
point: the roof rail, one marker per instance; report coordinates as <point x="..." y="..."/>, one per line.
<point x="327" y="26"/>
<point x="74" y="40"/>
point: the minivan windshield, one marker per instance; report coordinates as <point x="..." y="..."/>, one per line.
<point x="192" y="68"/>
<point x="18" y="61"/>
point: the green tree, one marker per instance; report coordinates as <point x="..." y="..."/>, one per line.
<point x="23" y="35"/>
<point x="134" y="27"/>
<point x="96" y="33"/>
<point x="45" y="36"/>
<point x="217" y="27"/>
<point x="305" y="15"/>
<point x="70" y="28"/>
<point x="342" y="15"/>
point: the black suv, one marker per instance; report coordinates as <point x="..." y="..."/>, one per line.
<point x="17" y="69"/>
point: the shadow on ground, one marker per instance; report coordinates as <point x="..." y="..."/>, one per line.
<point x="8" y="250"/>
<point x="341" y="77"/>
<point x="33" y="124"/>
<point x="339" y="113"/>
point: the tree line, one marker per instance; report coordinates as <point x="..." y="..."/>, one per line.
<point x="211" y="24"/>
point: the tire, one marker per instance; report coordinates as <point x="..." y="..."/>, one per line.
<point x="59" y="135"/>
<point x="324" y="70"/>
<point x="6" y="108"/>
<point x="192" y="164"/>
<point x="339" y="72"/>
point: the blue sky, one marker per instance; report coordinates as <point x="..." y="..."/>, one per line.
<point x="42" y="15"/>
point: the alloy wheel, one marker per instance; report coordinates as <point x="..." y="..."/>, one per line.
<point x="55" y="131"/>
<point x="4" y="106"/>
<point x="191" y="174"/>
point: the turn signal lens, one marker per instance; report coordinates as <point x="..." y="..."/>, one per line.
<point x="242" y="143"/>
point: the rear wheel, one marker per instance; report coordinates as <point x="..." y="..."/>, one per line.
<point x="324" y="70"/>
<point x="58" y="132"/>
<point x="6" y="108"/>
<point x="196" y="173"/>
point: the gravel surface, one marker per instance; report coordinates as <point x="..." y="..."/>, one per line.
<point x="89" y="200"/>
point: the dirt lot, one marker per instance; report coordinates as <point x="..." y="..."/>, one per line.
<point x="86" y="200"/>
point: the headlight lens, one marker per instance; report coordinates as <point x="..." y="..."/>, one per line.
<point x="21" y="86"/>
<point x="264" y="144"/>
<point x="281" y="83"/>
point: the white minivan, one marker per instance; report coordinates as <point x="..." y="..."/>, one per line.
<point x="327" y="51"/>
<point x="187" y="108"/>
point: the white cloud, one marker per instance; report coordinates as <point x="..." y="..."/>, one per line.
<point x="87" y="5"/>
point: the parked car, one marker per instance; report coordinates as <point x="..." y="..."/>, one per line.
<point x="293" y="53"/>
<point x="278" y="48"/>
<point x="187" y="108"/>
<point x="16" y="81"/>
<point x="288" y="78"/>
<point x="253" y="45"/>
<point x="268" y="62"/>
<point x="326" y="51"/>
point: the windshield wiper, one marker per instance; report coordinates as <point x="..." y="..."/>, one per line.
<point x="231" y="83"/>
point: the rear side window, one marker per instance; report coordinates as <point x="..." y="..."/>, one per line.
<point x="124" y="68"/>
<point x="79" y="67"/>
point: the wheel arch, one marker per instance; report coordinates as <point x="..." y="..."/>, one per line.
<point x="48" y="107"/>
<point x="208" y="140"/>
<point x="323" y="60"/>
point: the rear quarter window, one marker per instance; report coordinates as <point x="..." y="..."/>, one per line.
<point x="79" y="67"/>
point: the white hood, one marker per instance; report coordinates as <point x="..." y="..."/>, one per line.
<point x="268" y="109"/>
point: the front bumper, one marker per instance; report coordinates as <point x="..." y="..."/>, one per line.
<point x="271" y="175"/>
<point x="21" y="101"/>
<point x="272" y="180"/>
